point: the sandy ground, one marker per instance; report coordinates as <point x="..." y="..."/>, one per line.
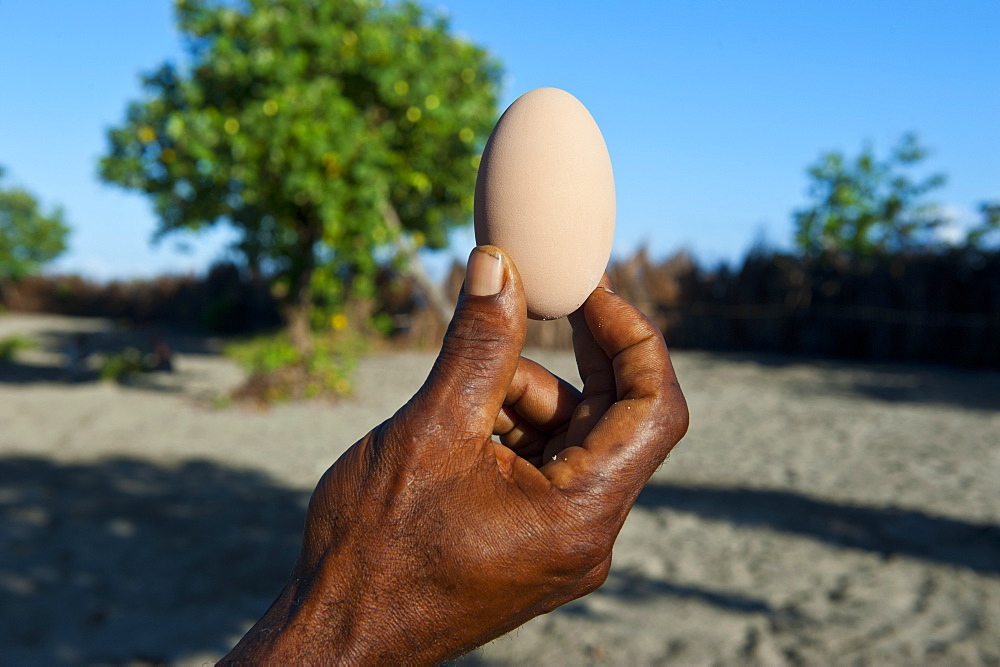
<point x="817" y="513"/>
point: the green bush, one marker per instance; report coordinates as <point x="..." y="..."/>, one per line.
<point x="279" y="372"/>
<point x="119" y="367"/>
<point x="11" y="345"/>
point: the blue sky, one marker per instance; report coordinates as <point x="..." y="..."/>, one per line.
<point x="711" y="110"/>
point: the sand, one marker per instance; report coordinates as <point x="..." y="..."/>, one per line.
<point x="818" y="512"/>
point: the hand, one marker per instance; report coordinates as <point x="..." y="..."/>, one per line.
<point x="427" y="539"/>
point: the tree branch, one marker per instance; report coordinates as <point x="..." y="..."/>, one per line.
<point x="440" y="304"/>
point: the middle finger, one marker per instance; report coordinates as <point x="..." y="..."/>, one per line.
<point x="539" y="398"/>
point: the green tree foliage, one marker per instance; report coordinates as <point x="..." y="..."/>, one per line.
<point x="989" y="227"/>
<point x="331" y="133"/>
<point x="868" y="205"/>
<point x="29" y="238"/>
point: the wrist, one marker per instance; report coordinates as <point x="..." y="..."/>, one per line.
<point x="293" y="630"/>
<point x="333" y="617"/>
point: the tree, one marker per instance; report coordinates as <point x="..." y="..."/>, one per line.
<point x="868" y="205"/>
<point x="333" y="134"/>
<point x="29" y="238"/>
<point x="990" y="225"/>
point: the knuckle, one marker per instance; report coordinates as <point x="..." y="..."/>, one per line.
<point x="461" y="363"/>
<point x="582" y="552"/>
<point x="677" y="413"/>
<point x="473" y="343"/>
<point x="419" y="432"/>
<point x="671" y="410"/>
<point x="596" y="577"/>
<point x="475" y="327"/>
<point x="645" y="327"/>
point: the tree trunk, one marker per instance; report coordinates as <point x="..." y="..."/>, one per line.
<point x="440" y="304"/>
<point x="6" y="293"/>
<point x="297" y="314"/>
<point x="297" y="309"/>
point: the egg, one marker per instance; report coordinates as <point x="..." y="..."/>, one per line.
<point x="545" y="194"/>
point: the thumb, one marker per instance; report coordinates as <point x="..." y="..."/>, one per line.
<point x="467" y="385"/>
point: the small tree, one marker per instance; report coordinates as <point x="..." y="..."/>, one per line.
<point x="333" y="134"/>
<point x="29" y="238"/>
<point x="868" y="205"/>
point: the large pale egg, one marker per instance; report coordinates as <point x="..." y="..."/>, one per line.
<point x="545" y="194"/>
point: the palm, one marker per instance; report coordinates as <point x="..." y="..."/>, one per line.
<point x="543" y="414"/>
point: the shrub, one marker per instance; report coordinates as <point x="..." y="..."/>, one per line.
<point x="11" y="345"/>
<point x="120" y="367"/>
<point x="278" y="371"/>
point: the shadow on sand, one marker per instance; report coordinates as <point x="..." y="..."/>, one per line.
<point x="887" y="531"/>
<point x="633" y="587"/>
<point x="86" y="345"/>
<point x="890" y="382"/>
<point x="129" y="561"/>
<point x="124" y="560"/>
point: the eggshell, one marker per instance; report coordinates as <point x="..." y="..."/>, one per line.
<point x="545" y="194"/>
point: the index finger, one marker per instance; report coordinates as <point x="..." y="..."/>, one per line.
<point x="649" y="416"/>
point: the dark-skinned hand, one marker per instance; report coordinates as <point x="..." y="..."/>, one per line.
<point x="427" y="538"/>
